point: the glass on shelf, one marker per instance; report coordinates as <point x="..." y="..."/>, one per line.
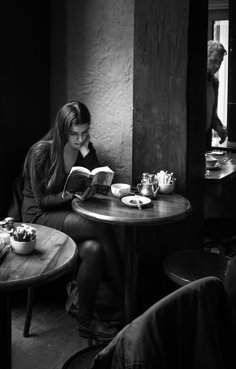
<point x="4" y="235"/>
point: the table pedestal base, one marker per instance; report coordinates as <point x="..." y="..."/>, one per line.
<point x="5" y="329"/>
<point x="131" y="267"/>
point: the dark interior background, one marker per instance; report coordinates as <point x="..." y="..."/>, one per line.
<point x="25" y="86"/>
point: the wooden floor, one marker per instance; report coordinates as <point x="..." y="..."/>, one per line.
<point x="53" y="333"/>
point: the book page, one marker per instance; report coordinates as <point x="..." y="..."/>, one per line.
<point x="81" y="170"/>
<point x="102" y="169"/>
<point x="80" y="178"/>
<point x="77" y="180"/>
<point x="103" y="178"/>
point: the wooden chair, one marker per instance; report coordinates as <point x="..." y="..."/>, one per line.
<point x="186" y="266"/>
<point x="84" y="358"/>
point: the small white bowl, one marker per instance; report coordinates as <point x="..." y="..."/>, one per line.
<point x="166" y="188"/>
<point x="120" y="189"/>
<point x="211" y="162"/>
<point x="22" y="247"/>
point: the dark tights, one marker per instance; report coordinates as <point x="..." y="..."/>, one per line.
<point x="98" y="250"/>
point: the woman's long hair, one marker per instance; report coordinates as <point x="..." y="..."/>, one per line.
<point x="53" y="164"/>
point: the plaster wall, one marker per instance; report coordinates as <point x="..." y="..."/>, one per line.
<point x="92" y="61"/>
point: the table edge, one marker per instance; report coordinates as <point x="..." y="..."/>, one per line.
<point x="47" y="276"/>
<point x="138" y="222"/>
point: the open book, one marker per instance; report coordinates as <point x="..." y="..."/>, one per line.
<point x="84" y="183"/>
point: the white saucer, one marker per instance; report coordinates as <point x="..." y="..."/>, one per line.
<point x="217" y="152"/>
<point x="131" y="200"/>
<point x="214" y="167"/>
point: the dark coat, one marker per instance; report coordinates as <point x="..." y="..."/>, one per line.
<point x="215" y="120"/>
<point x="193" y="327"/>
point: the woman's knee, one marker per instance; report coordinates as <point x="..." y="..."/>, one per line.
<point x="90" y="248"/>
<point x="81" y="229"/>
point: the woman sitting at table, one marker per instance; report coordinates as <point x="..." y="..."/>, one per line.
<point x="46" y="167"/>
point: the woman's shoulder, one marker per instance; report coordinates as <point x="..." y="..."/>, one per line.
<point x="41" y="146"/>
<point x="38" y="156"/>
<point x="40" y="151"/>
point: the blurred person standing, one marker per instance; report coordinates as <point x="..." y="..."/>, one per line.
<point x="215" y="56"/>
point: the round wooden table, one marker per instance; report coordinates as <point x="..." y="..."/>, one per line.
<point x="109" y="209"/>
<point x="54" y="255"/>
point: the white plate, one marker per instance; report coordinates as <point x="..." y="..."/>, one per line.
<point x="131" y="200"/>
<point x="214" y="167"/>
<point x="217" y="152"/>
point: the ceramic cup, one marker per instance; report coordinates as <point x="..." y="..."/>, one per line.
<point x="166" y="188"/>
<point x="120" y="189"/>
<point x="23" y="248"/>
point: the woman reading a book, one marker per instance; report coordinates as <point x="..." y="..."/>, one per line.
<point x="46" y="167"/>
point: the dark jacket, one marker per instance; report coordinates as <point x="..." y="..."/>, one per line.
<point x="36" y="200"/>
<point x="193" y="327"/>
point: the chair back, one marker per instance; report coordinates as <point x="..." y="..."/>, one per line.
<point x="15" y="209"/>
<point x="83" y="359"/>
<point x="187" y="266"/>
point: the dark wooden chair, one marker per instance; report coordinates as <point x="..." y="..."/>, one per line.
<point x="186" y="266"/>
<point x="15" y="212"/>
<point x="84" y="358"/>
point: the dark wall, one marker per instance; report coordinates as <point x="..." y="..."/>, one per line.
<point x="25" y="82"/>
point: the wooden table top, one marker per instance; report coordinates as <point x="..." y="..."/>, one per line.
<point x="54" y="254"/>
<point x="109" y="209"/>
<point x="226" y="170"/>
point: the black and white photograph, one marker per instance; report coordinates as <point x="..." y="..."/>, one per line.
<point x="117" y="190"/>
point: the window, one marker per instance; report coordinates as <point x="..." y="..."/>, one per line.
<point x="218" y="29"/>
<point x="221" y="31"/>
<point x="221" y="34"/>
